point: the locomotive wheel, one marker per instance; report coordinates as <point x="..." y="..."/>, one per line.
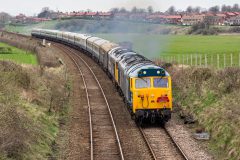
<point x="139" y="121"/>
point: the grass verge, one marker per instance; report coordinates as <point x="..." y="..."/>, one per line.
<point x="8" y="52"/>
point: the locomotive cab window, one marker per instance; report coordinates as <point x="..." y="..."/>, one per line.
<point x="160" y="82"/>
<point x="143" y="83"/>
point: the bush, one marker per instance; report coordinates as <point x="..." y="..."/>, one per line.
<point x="204" y="29"/>
<point x="235" y="29"/>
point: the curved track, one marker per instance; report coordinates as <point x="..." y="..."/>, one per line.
<point x="104" y="139"/>
<point x="160" y="143"/>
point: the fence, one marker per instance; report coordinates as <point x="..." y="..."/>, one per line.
<point x="204" y="60"/>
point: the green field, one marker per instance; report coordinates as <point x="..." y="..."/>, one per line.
<point x="181" y="44"/>
<point x="17" y="55"/>
<point x="180" y="48"/>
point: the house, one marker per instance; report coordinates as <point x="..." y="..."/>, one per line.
<point x="80" y="14"/>
<point x="192" y="19"/>
<point x="20" y="18"/>
<point x="234" y="21"/>
<point x="213" y="19"/>
<point x="156" y="18"/>
<point x="173" y="19"/>
<point x="105" y="15"/>
<point x="230" y="14"/>
<point x="221" y="18"/>
<point x="91" y="14"/>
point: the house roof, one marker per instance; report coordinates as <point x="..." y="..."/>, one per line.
<point x="198" y="16"/>
<point x="221" y="15"/>
<point x="156" y="16"/>
<point x="230" y="14"/>
<point x="174" y="17"/>
<point x="91" y="13"/>
<point x="80" y="13"/>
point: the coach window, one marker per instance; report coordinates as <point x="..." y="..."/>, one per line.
<point x="143" y="83"/>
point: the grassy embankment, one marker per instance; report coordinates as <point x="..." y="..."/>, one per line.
<point x="17" y="55"/>
<point x="212" y="97"/>
<point x="33" y="104"/>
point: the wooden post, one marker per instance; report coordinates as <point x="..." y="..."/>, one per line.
<point x="187" y="59"/>
<point x="231" y="60"/>
<point x="192" y="61"/>
<point x="196" y="61"/>
<point x="200" y="60"/>
<point x="218" y="66"/>
<point x="224" y="61"/>
<point x="183" y="59"/>
<point x="239" y="59"/>
<point x="212" y="60"/>
<point x="206" y="61"/>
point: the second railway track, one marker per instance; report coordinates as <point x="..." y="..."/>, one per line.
<point x="104" y="139"/>
<point x="161" y="144"/>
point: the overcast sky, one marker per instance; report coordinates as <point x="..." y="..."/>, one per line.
<point x="30" y="7"/>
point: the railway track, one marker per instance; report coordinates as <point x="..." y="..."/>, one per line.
<point x="161" y="144"/>
<point x="103" y="143"/>
<point x="104" y="139"/>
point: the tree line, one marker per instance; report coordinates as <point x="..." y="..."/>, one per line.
<point x="173" y="10"/>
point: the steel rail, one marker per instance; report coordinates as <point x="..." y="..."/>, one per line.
<point x="148" y="144"/>
<point x="177" y="145"/>
<point x="88" y="100"/>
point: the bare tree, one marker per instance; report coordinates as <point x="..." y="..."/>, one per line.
<point x="224" y="8"/>
<point x="214" y="9"/>
<point x="134" y="9"/>
<point x="114" y="10"/>
<point x="171" y="10"/>
<point x="150" y="9"/>
<point x="123" y="10"/>
<point x="235" y="8"/>
<point x="197" y="9"/>
<point x="189" y="9"/>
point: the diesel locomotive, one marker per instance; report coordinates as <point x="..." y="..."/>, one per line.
<point x="146" y="87"/>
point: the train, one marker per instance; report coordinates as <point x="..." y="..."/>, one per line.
<point x="146" y="87"/>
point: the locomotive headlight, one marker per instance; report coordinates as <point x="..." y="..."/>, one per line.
<point x="158" y="72"/>
<point x="144" y="72"/>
